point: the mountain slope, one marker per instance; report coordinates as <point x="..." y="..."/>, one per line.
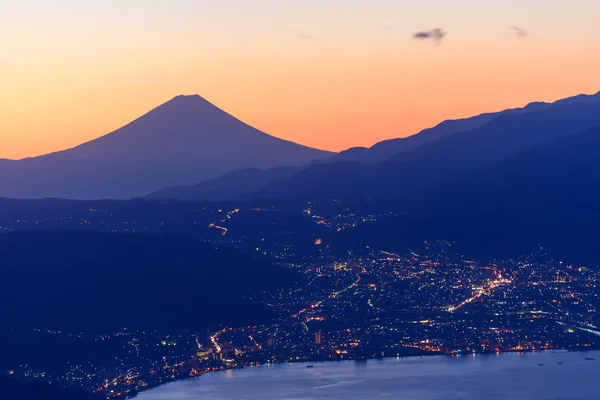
<point x="182" y="142"/>
<point x="441" y="161"/>
<point x="549" y="196"/>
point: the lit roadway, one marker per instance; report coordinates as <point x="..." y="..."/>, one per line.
<point x="597" y="333"/>
<point x="215" y="343"/>
<point x="485" y="291"/>
<point x="227" y="217"/>
<point x="333" y="295"/>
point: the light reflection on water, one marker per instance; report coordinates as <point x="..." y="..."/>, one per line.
<point x="483" y="377"/>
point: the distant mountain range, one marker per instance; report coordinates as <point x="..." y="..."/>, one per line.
<point x="182" y="142"/>
<point x="386" y="149"/>
<point x="230" y="186"/>
<point x="443" y="160"/>
<point x="432" y="156"/>
<point x="188" y="149"/>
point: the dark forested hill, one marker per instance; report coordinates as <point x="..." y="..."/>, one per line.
<point x="548" y="196"/>
<point x="15" y="390"/>
<point x="85" y="279"/>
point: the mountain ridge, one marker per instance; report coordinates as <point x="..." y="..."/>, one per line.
<point x="389" y="147"/>
<point x="440" y="161"/>
<point x="226" y="187"/>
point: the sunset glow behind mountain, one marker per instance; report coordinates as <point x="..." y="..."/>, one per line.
<point x="330" y="74"/>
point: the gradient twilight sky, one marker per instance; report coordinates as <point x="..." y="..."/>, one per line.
<point x="325" y="73"/>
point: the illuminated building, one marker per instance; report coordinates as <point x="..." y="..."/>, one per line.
<point x="318" y="338"/>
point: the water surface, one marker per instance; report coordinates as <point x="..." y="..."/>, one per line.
<point x="562" y="376"/>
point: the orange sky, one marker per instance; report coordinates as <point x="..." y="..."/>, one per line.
<point x="330" y="74"/>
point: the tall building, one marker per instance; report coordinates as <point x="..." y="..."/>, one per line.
<point x="318" y="338"/>
<point x="271" y="342"/>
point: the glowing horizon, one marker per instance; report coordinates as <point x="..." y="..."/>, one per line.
<point x="328" y="74"/>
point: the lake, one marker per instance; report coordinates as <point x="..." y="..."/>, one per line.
<point x="514" y="376"/>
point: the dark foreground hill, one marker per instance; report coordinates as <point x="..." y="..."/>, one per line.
<point x="91" y="280"/>
<point x="15" y="390"/>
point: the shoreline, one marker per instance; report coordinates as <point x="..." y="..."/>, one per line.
<point x="317" y="361"/>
